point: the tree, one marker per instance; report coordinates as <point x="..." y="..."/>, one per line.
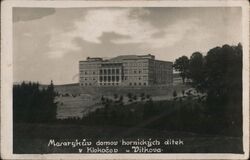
<point x="174" y="94"/>
<point x="121" y="99"/>
<point x="102" y="99"/>
<point x="224" y="85"/>
<point x="148" y="96"/>
<point x="196" y="70"/>
<point x="142" y="96"/>
<point x="182" y="64"/>
<point x="129" y="95"/>
<point x="115" y="96"/>
<point x="183" y="93"/>
<point x="135" y="97"/>
<point x="32" y="104"/>
<point x="223" y="72"/>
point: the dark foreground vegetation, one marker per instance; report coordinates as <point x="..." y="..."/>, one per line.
<point x="180" y="115"/>
<point x="217" y="75"/>
<point x="33" y="104"/>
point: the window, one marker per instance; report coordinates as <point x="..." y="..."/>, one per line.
<point x="90" y="84"/>
<point x="86" y="79"/>
<point x="113" y="78"/>
<point x="135" y="71"/>
<point x="109" y="78"/>
<point x="139" y="78"/>
<point x="109" y="71"/>
<point x="135" y="84"/>
<point x="117" y="78"/>
<point x="105" y="78"/>
<point x="139" y="71"/>
<point x="113" y="71"/>
<point x="117" y="71"/>
<point x="125" y="71"/>
<point x="93" y="72"/>
<point x="130" y="84"/>
<point x="105" y="72"/>
<point x="100" y="71"/>
<point x="145" y="84"/>
<point x="86" y="73"/>
<point x="139" y="84"/>
<point x="86" y="84"/>
<point x="100" y="79"/>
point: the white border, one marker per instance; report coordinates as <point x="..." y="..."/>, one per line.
<point x="7" y="77"/>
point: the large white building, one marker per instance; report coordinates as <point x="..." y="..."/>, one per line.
<point x="125" y="70"/>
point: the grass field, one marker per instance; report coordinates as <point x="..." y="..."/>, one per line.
<point x="76" y="106"/>
<point x="80" y="101"/>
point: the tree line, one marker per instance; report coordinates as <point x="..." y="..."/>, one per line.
<point x="218" y="73"/>
<point x="33" y="104"/>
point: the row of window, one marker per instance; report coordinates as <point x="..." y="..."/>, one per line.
<point x="139" y="84"/>
<point x="164" y="71"/>
<point x="86" y="84"/>
<point x="90" y="84"/>
<point x="156" y="65"/>
<point x="125" y="77"/>
<point x="109" y="78"/>
<point x="109" y="71"/>
<point x="88" y="72"/>
<point x="126" y="71"/>
<point x="136" y="64"/>
<point x="135" y="78"/>
<point x="116" y="77"/>
<point x="113" y="71"/>
<point x="109" y="84"/>
<point x="89" y="78"/>
<point x="134" y="71"/>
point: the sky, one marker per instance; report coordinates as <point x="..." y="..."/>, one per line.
<point x="48" y="43"/>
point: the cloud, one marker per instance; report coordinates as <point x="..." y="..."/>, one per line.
<point x="126" y="23"/>
<point x="61" y="42"/>
<point x="27" y="14"/>
<point x="174" y="33"/>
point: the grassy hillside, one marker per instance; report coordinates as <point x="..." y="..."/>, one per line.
<point x="122" y="90"/>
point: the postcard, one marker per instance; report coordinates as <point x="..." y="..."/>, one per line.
<point x="125" y="79"/>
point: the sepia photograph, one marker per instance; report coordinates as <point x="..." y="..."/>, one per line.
<point x="147" y="80"/>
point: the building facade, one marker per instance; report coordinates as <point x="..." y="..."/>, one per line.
<point x="126" y="70"/>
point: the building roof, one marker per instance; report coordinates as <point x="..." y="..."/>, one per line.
<point x="126" y="57"/>
<point x="123" y="57"/>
